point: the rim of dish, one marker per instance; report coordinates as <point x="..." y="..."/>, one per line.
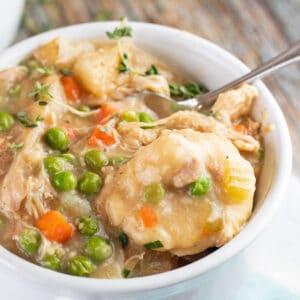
<point x="255" y="225"/>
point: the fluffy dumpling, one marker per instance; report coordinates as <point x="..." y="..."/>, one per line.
<point x="184" y="224"/>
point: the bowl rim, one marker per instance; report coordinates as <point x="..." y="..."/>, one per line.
<point x="243" y="239"/>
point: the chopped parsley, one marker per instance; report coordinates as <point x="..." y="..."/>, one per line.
<point x="66" y="72"/>
<point x="46" y="70"/>
<point x="185" y="91"/>
<point x="27" y="121"/>
<point x="123" y="239"/>
<point x="31" y="64"/>
<point x="41" y="93"/>
<point x="126" y="273"/>
<point x="121" y="31"/>
<point x="151" y="71"/>
<point x="117" y="34"/>
<point x="154" y="245"/>
<point x="15" y="147"/>
<point x="124" y="64"/>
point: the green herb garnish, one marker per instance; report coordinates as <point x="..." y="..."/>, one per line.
<point x="154" y="245"/>
<point x="15" y="90"/>
<point x="124" y="64"/>
<point x="123" y="237"/>
<point x="15" y="147"/>
<point x="28" y="122"/>
<point x="41" y="93"/>
<point x="119" y="32"/>
<point x="151" y="71"/>
<point x="46" y="70"/>
<point x="126" y="273"/>
<point x="66" y="72"/>
<point x="31" y="64"/>
<point x="187" y="90"/>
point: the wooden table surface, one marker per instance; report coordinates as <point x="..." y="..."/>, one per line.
<point x="253" y="30"/>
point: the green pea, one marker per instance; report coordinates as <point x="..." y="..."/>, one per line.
<point x="64" y="181"/>
<point x="129" y="116"/>
<point x="57" y="139"/>
<point x="200" y="187"/>
<point x="80" y="266"/>
<point x="154" y="193"/>
<point x="145" y="118"/>
<point x="83" y="108"/>
<point x="53" y="164"/>
<point x="30" y="241"/>
<point x="96" y="159"/>
<point x="98" y="249"/>
<point x="90" y="183"/>
<point x="68" y="157"/>
<point x="51" y="261"/>
<point x="117" y="160"/>
<point x="88" y="226"/>
<point x="6" y="121"/>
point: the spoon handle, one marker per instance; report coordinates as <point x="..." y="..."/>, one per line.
<point x="288" y="56"/>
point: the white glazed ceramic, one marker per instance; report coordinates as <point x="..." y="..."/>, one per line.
<point x="10" y="15"/>
<point x="204" y="62"/>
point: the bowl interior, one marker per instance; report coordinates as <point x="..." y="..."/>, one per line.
<point x="208" y="64"/>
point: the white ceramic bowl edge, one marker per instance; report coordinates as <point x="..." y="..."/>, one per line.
<point x="213" y="66"/>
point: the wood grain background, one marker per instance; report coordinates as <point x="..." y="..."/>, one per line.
<point x="253" y="30"/>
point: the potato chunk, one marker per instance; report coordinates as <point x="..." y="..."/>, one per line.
<point x="61" y="52"/>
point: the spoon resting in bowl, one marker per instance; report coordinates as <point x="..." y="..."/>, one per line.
<point x="163" y="106"/>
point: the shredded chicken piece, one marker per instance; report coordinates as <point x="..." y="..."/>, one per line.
<point x="133" y="136"/>
<point x="6" y="155"/>
<point x="234" y="104"/>
<point x="18" y="185"/>
<point x="187" y="174"/>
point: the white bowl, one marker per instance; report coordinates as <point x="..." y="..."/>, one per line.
<point x="10" y="15"/>
<point x="204" y="62"/>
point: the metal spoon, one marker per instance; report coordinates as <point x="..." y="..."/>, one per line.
<point x="163" y="106"/>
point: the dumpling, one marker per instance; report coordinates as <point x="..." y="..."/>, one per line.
<point x="184" y="224"/>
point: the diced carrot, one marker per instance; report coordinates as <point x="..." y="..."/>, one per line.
<point x="71" y="88"/>
<point x="240" y="128"/>
<point x="148" y="216"/>
<point x="105" y="114"/>
<point x="55" y="227"/>
<point x="71" y="133"/>
<point x="92" y="141"/>
<point x="106" y="138"/>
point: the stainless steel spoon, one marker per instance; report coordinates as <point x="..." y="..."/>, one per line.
<point x="163" y="106"/>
